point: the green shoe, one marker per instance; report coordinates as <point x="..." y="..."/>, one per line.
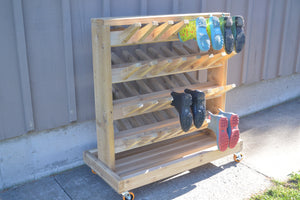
<point x="226" y="24"/>
<point x="214" y="32"/>
<point x="238" y="33"/>
<point x="188" y="32"/>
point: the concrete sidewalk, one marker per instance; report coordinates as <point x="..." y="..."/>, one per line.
<point x="271" y="148"/>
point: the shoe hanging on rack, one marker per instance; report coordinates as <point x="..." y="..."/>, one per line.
<point x="201" y="34"/>
<point x="197" y="107"/>
<point x="196" y="30"/>
<point x="232" y="130"/>
<point x="188" y="32"/>
<point x="218" y="124"/>
<point x="214" y="32"/>
<point x="182" y="103"/>
<point x="238" y="33"/>
<point x="226" y="24"/>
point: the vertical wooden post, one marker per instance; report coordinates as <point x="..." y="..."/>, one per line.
<point x="103" y="92"/>
<point x="219" y="76"/>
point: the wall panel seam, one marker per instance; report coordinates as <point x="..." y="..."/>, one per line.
<point x="247" y="44"/>
<point x="175" y="6"/>
<point x="297" y="63"/>
<point x="280" y="70"/>
<point x="106" y="12"/>
<point x="203" y="5"/>
<point x="23" y="64"/>
<point x="69" y="64"/>
<point x="143" y="7"/>
<point x="228" y="5"/>
<point x="264" y="67"/>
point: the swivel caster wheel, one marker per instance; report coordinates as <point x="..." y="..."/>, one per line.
<point x="94" y="172"/>
<point x="128" y="196"/>
<point x="238" y="157"/>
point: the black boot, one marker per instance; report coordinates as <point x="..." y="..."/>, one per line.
<point x="238" y="33"/>
<point x="226" y="24"/>
<point x="182" y="103"/>
<point x="198" y="106"/>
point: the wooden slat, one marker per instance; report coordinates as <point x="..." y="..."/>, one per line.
<point x="190" y="49"/>
<point x="159" y="31"/>
<point x="158" y="172"/>
<point x="164" y="154"/>
<point x="141" y="176"/>
<point x="129" y="32"/>
<point x="148" y="134"/>
<point x="121" y="105"/>
<point x="174" y="30"/>
<point x="115" y="59"/>
<point x="160" y="18"/>
<point x="142" y="34"/>
<point x="219" y="76"/>
<point x="163" y="66"/>
<point x="155" y="101"/>
<point x="103" y="85"/>
<point x="180" y="50"/>
<point x="167" y="51"/>
<point x="128" y="56"/>
<point x="225" y="58"/>
<point x="168" y="32"/>
<point x="110" y="177"/>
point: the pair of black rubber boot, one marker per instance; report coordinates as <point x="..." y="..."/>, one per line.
<point x="233" y="33"/>
<point x="190" y="105"/>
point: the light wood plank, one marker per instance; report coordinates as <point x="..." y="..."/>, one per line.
<point x="174" y="30"/>
<point x="103" y="85"/>
<point x="109" y="176"/>
<point x="219" y="76"/>
<point x="166" y="153"/>
<point x="165" y="66"/>
<point x="174" y="167"/>
<point x="121" y="106"/>
<point x="155" y="101"/>
<point x="129" y="32"/>
<point x="143" y="33"/>
<point x="145" y="135"/>
<point x="159" y="18"/>
<point x="159" y="31"/>
<point x="168" y="33"/>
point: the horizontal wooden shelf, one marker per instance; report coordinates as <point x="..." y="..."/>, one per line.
<point x="148" y="134"/>
<point x="165" y="66"/>
<point x="158" y="161"/>
<point x="155" y="101"/>
<point x="148" y="29"/>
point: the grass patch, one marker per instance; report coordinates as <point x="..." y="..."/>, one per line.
<point x="289" y="190"/>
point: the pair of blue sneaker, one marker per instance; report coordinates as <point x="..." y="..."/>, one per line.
<point x="216" y="32"/>
<point x="206" y="32"/>
<point x="225" y="126"/>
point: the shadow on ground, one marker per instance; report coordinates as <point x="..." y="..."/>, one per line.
<point x="81" y="179"/>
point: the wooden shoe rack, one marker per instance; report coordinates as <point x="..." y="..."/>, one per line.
<point x="139" y="138"/>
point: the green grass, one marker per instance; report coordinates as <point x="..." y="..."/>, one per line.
<point x="289" y="190"/>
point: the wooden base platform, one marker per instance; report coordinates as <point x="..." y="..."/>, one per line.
<point x="141" y="166"/>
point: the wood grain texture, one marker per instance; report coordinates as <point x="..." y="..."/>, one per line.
<point x="148" y="68"/>
<point x="159" y="18"/>
<point x="174" y="167"/>
<point x="103" y="94"/>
